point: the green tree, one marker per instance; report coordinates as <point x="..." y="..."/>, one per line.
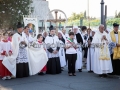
<point x="12" y="11"/>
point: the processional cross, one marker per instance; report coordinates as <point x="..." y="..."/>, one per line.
<point x="56" y="20"/>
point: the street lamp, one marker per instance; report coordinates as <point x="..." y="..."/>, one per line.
<point x="102" y="11"/>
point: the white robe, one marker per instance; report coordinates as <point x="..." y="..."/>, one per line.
<point x="79" y="59"/>
<point x="10" y="61"/>
<point x="101" y="66"/>
<point x="79" y="56"/>
<point x="90" y="59"/>
<point x="62" y="55"/>
<point x="52" y="40"/>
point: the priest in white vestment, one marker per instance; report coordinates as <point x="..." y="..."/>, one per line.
<point x="102" y="61"/>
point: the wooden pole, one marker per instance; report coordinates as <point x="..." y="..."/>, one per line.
<point x="56" y="12"/>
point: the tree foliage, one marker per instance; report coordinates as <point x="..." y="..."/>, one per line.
<point x="12" y="11"/>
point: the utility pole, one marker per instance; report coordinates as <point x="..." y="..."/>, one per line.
<point x="102" y="11"/>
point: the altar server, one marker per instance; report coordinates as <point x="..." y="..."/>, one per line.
<point x="102" y="61"/>
<point x="52" y="41"/>
<point x="18" y="63"/>
<point x="5" y="50"/>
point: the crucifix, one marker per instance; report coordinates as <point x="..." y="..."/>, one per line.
<point x="56" y="20"/>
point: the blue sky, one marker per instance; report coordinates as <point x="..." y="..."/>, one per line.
<point x="77" y="6"/>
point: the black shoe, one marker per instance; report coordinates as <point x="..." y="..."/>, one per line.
<point x="70" y="74"/>
<point x="90" y="71"/>
<point x="101" y="75"/>
<point x="41" y="73"/>
<point x="80" y="70"/>
<point x="104" y="75"/>
<point x="111" y="74"/>
<point x="74" y="74"/>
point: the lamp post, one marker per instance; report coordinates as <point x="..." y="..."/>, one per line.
<point x="102" y="11"/>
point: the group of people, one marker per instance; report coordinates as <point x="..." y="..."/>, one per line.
<point x="49" y="53"/>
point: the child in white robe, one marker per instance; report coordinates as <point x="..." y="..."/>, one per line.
<point x="5" y="50"/>
<point x="40" y="41"/>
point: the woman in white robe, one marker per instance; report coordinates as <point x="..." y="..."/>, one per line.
<point x="62" y="50"/>
<point x="79" y="40"/>
<point x="90" y="54"/>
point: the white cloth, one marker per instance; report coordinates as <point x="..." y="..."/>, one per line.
<point x="79" y="59"/>
<point x="37" y="59"/>
<point x="101" y="66"/>
<point x="90" y="59"/>
<point x="53" y="41"/>
<point x="62" y="55"/>
<point x="5" y="46"/>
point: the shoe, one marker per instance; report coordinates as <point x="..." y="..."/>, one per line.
<point x="101" y="75"/>
<point x="70" y="74"/>
<point x="90" y="71"/>
<point x="104" y="75"/>
<point x="8" y="77"/>
<point x="41" y="73"/>
<point x="4" y="78"/>
<point x="80" y="70"/>
<point x="74" y="74"/>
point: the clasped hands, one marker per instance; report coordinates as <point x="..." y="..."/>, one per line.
<point x="10" y="53"/>
<point x="55" y="52"/>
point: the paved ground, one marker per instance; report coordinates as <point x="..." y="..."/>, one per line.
<point x="83" y="81"/>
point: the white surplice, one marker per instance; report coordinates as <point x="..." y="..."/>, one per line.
<point x="10" y="61"/>
<point x="62" y="54"/>
<point x="53" y="42"/>
<point x="101" y="66"/>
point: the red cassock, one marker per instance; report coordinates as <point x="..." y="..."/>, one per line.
<point x="44" y="69"/>
<point x="3" y="70"/>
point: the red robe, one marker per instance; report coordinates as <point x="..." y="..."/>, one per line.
<point x="3" y="70"/>
<point x="45" y="67"/>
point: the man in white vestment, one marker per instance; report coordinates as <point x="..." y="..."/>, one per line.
<point x="102" y="61"/>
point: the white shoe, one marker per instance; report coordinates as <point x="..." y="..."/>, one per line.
<point x="4" y="78"/>
<point x="8" y="77"/>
